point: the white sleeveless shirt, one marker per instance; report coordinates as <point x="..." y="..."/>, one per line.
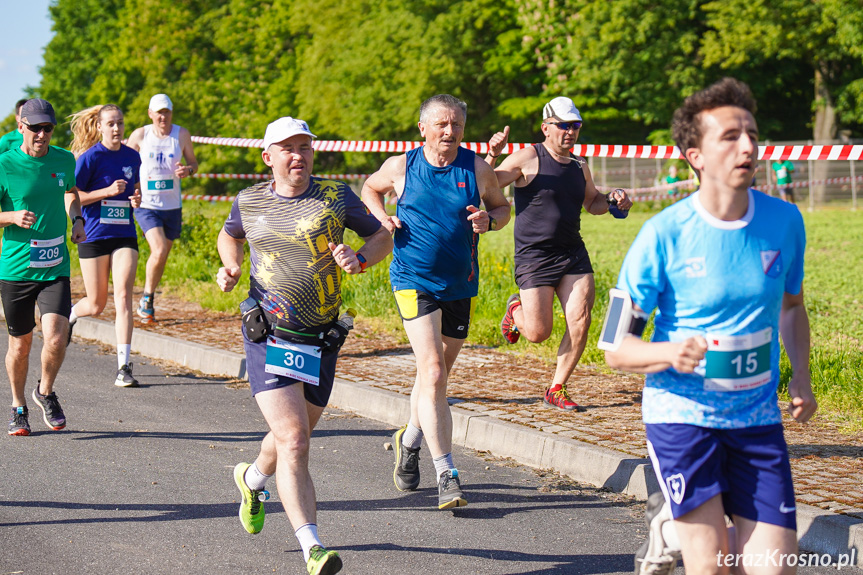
<point x="160" y="187"/>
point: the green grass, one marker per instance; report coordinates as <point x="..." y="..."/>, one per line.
<point x="832" y="287"/>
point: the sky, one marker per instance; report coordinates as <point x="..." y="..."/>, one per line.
<point x="21" y="49"/>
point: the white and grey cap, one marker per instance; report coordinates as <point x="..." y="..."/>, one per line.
<point x="561" y="109"/>
<point x="285" y="128"/>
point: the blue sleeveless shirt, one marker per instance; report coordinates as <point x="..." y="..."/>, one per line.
<point x="435" y="249"/>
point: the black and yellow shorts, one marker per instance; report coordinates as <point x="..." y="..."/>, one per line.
<point x="455" y="314"/>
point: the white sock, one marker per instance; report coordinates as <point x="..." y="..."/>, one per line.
<point x="123" y="351"/>
<point x="255" y="480"/>
<point x="443" y="463"/>
<point x="73" y="317"/>
<point x="412" y="437"/>
<point x="307" y="535"/>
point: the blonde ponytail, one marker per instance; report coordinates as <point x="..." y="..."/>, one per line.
<point x="85" y="128"/>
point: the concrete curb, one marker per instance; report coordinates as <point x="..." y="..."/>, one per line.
<point x="818" y="531"/>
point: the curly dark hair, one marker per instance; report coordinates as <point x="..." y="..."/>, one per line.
<point x="686" y="125"/>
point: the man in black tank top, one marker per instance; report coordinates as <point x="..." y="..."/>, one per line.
<point x="551" y="186"/>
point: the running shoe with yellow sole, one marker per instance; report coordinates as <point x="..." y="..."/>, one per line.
<point x="323" y="562"/>
<point x="407" y="472"/>
<point x="252" y="505"/>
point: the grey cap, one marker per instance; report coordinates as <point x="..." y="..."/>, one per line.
<point x="38" y="111"/>
<point x="561" y="109"/>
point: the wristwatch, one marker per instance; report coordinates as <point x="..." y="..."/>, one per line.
<point x="363" y="263"/>
<point x="492" y="224"/>
<point x="76" y="218"/>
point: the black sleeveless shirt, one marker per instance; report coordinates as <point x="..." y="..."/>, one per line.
<point x="548" y="209"/>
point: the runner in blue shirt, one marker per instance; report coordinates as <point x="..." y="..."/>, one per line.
<point x="107" y="174"/>
<point x="723" y="269"/>
<point x="434" y="273"/>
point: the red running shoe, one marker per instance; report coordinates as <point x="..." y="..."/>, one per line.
<point x="558" y="397"/>
<point x="507" y="324"/>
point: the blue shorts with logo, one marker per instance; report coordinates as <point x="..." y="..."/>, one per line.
<point x="748" y="466"/>
<point x="170" y="220"/>
<point x="260" y="380"/>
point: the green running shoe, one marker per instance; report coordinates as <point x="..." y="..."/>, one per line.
<point x="323" y="562"/>
<point x="252" y="505"/>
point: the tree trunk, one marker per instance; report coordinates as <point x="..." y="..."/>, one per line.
<point x="824" y="130"/>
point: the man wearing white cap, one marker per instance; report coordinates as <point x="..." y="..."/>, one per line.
<point x="292" y="331"/>
<point x="162" y="146"/>
<point x="551" y="186"/>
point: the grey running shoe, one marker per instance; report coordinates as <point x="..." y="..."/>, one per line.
<point x="407" y="472"/>
<point x="124" y="377"/>
<point x="52" y="413"/>
<point x="18" y="423"/>
<point x="449" y="493"/>
<point x="655" y="556"/>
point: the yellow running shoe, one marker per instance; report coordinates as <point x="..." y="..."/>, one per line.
<point x="252" y="505"/>
<point x="323" y="562"/>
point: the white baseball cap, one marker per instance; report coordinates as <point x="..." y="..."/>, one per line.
<point x="161" y="102"/>
<point x="285" y="128"/>
<point x="561" y="109"/>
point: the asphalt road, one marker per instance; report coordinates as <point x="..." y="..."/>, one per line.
<point x="140" y="482"/>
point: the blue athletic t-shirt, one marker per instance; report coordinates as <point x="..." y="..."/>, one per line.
<point x="435" y="250"/>
<point x="724" y="281"/>
<point x="98" y="168"/>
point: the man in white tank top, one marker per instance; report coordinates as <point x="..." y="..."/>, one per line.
<point x="162" y="147"/>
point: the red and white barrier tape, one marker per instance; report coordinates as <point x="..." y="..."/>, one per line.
<point x="269" y="176"/>
<point x="588" y="150"/>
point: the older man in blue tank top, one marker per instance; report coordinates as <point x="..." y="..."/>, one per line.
<point x="551" y="186"/>
<point x="434" y="274"/>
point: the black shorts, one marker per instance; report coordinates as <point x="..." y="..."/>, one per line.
<point x="106" y="247"/>
<point x="455" y="314"/>
<point x="20" y="298"/>
<point x="538" y="267"/>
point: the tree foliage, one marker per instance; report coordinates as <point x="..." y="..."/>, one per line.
<point x="359" y="69"/>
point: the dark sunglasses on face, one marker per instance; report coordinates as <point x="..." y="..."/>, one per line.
<point x="47" y="128"/>
<point x="567" y="125"/>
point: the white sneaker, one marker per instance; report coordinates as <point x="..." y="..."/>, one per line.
<point x="657" y="556"/>
<point x="124" y="377"/>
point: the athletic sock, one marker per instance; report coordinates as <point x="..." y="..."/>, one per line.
<point x="412" y="437"/>
<point x="443" y="463"/>
<point x="307" y="535"/>
<point x="123" y="351"/>
<point x="73" y="317"/>
<point x="255" y="480"/>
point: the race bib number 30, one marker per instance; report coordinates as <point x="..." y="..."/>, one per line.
<point x="46" y="253"/>
<point x="160" y="185"/>
<point x="738" y="362"/>
<point x="115" y="212"/>
<point x="300" y="362"/>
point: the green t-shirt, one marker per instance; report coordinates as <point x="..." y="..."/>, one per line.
<point x="783" y="172"/>
<point x="38" y="185"/>
<point x="10" y="141"/>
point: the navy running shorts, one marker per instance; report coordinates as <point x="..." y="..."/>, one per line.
<point x="260" y="380"/>
<point x="749" y="467"/>
<point x="170" y="220"/>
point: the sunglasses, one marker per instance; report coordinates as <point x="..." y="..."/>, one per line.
<point x="47" y="128"/>
<point x="567" y="125"/>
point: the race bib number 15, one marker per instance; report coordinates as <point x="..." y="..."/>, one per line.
<point x="737" y="362"/>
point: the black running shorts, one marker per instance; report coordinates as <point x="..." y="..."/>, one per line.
<point x="537" y="267"/>
<point x="455" y="315"/>
<point x="105" y="247"/>
<point x="20" y="299"/>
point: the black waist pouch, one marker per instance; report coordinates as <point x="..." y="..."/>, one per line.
<point x="254" y="321"/>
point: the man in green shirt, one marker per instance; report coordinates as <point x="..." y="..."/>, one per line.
<point x="782" y="171"/>
<point x="14" y="138"/>
<point x="37" y="193"/>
